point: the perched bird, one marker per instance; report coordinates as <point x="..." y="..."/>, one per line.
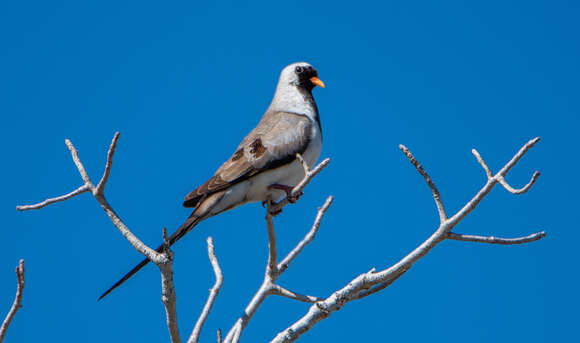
<point x="264" y="167"/>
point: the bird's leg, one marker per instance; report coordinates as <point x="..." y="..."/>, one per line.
<point x="288" y="190"/>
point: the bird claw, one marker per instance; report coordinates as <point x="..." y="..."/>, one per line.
<point x="293" y="198"/>
<point x="276" y="212"/>
<point x="273" y="213"/>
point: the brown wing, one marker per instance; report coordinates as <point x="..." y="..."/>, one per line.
<point x="273" y="143"/>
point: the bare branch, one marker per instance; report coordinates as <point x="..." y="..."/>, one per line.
<point x="379" y="287"/>
<point x="497" y="240"/>
<point x="77" y="161"/>
<point x="268" y="285"/>
<point x="430" y="183"/>
<point x="163" y="259"/>
<point x="213" y="293"/>
<point x="372" y="282"/>
<point x="530" y="144"/>
<point x="49" y="201"/>
<point x="219" y="336"/>
<point x="271" y="267"/>
<point x="488" y="172"/>
<point x="151" y="254"/>
<point x="17" y="300"/>
<point x="522" y="190"/>
<point x="101" y="186"/>
<point x="169" y="299"/>
<point x="279" y="290"/>
<point x="237" y="334"/>
<point x="282" y="266"/>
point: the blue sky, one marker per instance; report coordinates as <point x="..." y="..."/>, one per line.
<point x="184" y="82"/>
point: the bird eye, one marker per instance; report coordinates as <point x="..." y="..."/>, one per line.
<point x="299" y="70"/>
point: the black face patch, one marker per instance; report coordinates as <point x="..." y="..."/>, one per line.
<point x="257" y="148"/>
<point x="238" y="154"/>
<point x="304" y="76"/>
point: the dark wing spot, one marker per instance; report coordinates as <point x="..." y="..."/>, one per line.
<point x="257" y="148"/>
<point x="238" y="154"/>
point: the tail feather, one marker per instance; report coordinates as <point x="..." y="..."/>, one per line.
<point x="189" y="224"/>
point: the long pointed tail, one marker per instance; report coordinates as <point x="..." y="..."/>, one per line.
<point x="189" y="224"/>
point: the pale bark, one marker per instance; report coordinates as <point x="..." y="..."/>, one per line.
<point x="17" y="304"/>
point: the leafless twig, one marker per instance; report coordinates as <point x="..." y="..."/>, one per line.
<point x="17" y="304"/>
<point x="432" y="187"/>
<point x="273" y="269"/>
<point x="497" y="240"/>
<point x="213" y="293"/>
<point x="164" y="259"/>
<point x="372" y="282"/>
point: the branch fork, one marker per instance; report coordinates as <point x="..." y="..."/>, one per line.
<point x="164" y="259"/>
<point x="360" y="287"/>
<point x="372" y="282"/>
<point x="273" y="268"/>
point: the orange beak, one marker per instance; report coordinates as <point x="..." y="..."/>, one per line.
<point x="317" y="81"/>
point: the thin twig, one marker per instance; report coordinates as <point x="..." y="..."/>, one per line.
<point x="164" y="259"/>
<point x="268" y="285"/>
<point x="430" y="183"/>
<point x="496" y="240"/>
<point x="522" y="190"/>
<point x="17" y="304"/>
<point x="530" y="144"/>
<point x="271" y="267"/>
<point x="101" y="186"/>
<point x="49" y="201"/>
<point x="279" y="290"/>
<point x="75" y="156"/>
<point x="372" y="282"/>
<point x="213" y="293"/>
<point x="488" y="172"/>
<point x="151" y="254"/>
<point x="282" y="266"/>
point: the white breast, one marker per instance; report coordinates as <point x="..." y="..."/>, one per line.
<point x="256" y="189"/>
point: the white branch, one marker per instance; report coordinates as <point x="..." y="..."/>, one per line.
<point x="522" y="190"/>
<point x="372" y="282"/>
<point x="273" y="271"/>
<point x="279" y="290"/>
<point x="168" y="296"/>
<point x="271" y="267"/>
<point x="213" y="293"/>
<point x="163" y="259"/>
<point x="497" y="240"/>
<point x="97" y="193"/>
<point x="430" y="183"/>
<point x="101" y="186"/>
<point x="486" y="169"/>
<point x="49" y="201"/>
<point x="282" y="266"/>
<point x="17" y="300"/>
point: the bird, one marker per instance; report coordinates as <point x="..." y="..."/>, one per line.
<point x="264" y="167"/>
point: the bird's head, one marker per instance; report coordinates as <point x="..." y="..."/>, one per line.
<point x="301" y="75"/>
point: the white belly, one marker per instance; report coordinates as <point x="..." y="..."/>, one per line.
<point x="256" y="189"/>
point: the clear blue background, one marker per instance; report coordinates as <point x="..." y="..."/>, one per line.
<point x="184" y="82"/>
